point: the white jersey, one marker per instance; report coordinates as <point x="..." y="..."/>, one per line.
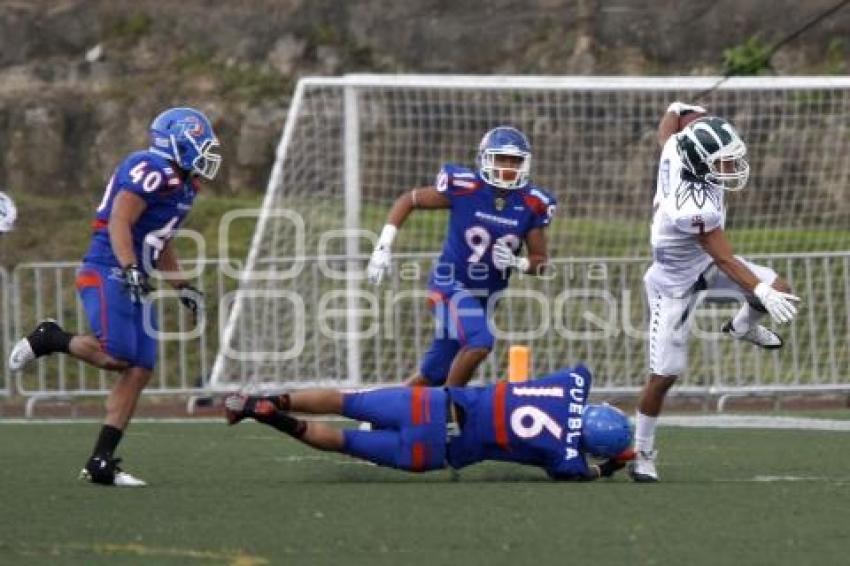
<point x="683" y="208"/>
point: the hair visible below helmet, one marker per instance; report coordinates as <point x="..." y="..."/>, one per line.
<point x="713" y="152"/>
<point x="504" y="140"/>
<point x="186" y="137"/>
<point x="605" y="430"/>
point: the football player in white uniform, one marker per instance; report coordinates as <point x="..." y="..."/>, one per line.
<point x="691" y="253"/>
<point x="8" y="213"/>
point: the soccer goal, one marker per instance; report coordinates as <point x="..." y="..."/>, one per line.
<point x="350" y="145"/>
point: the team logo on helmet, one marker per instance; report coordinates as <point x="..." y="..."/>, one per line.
<point x="191" y="126"/>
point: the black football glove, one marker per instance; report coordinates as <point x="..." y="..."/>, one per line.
<point x="136" y="283"/>
<point x="193" y="299"/>
<point x="609" y="467"/>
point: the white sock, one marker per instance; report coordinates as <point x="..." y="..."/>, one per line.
<point x="746" y="318"/>
<point x="644" y="432"/>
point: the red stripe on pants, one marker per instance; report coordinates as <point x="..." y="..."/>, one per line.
<point x="499" y="415"/>
<point x="420" y="413"/>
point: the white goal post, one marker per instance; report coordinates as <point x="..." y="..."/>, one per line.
<point x="352" y="144"/>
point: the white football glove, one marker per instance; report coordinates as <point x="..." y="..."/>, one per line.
<point x="379" y="264"/>
<point x="505" y="258"/>
<point x="779" y="305"/>
<point x="680" y="108"/>
<point x="381" y="261"/>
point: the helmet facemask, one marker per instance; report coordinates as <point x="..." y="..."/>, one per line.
<point x="712" y="151"/>
<point x="199" y="159"/>
<point x="505" y="176"/>
<point x="728" y="169"/>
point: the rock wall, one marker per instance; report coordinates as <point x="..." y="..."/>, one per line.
<point x="81" y="80"/>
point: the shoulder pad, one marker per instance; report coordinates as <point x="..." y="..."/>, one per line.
<point x="541" y="203"/>
<point x="453" y="178"/>
<point x="539" y="200"/>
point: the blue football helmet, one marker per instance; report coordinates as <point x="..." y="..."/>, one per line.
<point x="605" y="430"/>
<point x="186" y="137"/>
<point x="504" y="140"/>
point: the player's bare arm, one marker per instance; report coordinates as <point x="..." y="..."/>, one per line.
<point x="718" y="246"/>
<point x="126" y="210"/>
<point x="169" y="265"/>
<point x="428" y="198"/>
<point x="668" y="126"/>
<point x="538" y="254"/>
<point x="776" y="298"/>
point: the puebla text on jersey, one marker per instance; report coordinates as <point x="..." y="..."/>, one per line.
<point x="538" y="423"/>
<point x="168" y="196"/>
<point x="481" y="215"/>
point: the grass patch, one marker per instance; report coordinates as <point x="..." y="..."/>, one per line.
<point x="248" y="495"/>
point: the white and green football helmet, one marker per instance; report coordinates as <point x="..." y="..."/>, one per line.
<point x="714" y="153"/>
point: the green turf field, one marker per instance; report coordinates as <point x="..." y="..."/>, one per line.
<point x="247" y="496"/>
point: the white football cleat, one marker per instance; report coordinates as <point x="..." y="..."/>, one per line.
<point x="123" y="479"/>
<point x="105" y="471"/>
<point x="21" y="355"/>
<point x="757" y="334"/>
<point x="39" y="342"/>
<point x="642" y="468"/>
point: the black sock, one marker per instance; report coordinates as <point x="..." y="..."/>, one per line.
<point x="107" y="441"/>
<point x="284" y="423"/>
<point x="48" y="338"/>
<point x="60" y="341"/>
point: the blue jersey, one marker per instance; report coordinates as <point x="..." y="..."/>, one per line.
<point x="536" y="423"/>
<point x="168" y="194"/>
<point x="481" y="215"/>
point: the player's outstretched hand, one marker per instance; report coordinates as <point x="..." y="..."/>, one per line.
<point x="136" y="283"/>
<point x="379" y="264"/>
<point x="193" y="299"/>
<point x="779" y="305"/>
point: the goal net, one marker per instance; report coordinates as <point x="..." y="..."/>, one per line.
<point x="351" y="145"/>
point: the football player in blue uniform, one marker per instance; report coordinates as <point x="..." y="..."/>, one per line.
<point x="545" y="422"/>
<point x="495" y="210"/>
<point x="145" y="202"/>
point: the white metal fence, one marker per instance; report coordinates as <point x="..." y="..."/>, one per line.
<point x="5" y="330"/>
<point x="590" y="310"/>
<point x="47" y="290"/>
